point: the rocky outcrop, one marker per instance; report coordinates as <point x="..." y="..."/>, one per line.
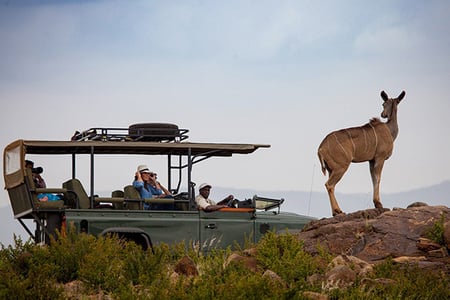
<point x="367" y="237"/>
<point x="374" y="235"/>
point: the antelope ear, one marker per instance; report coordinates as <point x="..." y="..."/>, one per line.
<point x="401" y="96"/>
<point x="384" y="96"/>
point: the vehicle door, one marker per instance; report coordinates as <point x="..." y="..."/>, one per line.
<point x="220" y="229"/>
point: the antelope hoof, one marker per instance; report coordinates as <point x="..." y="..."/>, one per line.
<point x="378" y="204"/>
<point x="337" y="212"/>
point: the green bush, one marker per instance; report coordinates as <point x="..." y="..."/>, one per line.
<point x="26" y="273"/>
<point x="284" y="254"/>
<point x="68" y="252"/>
<point x="413" y="282"/>
<point x="436" y="232"/>
<point x="122" y="270"/>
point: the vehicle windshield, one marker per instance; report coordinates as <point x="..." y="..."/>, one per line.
<point x="267" y="203"/>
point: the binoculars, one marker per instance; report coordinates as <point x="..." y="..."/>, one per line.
<point x="37" y="170"/>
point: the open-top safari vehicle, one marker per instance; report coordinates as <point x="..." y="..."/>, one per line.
<point x="122" y="213"/>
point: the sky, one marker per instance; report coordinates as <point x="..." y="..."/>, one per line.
<point x="284" y="73"/>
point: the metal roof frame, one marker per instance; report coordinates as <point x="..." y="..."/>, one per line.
<point x="194" y="152"/>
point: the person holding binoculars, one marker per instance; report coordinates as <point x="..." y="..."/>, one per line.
<point x="39" y="182"/>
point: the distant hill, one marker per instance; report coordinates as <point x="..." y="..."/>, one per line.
<point x="314" y="204"/>
<point x="317" y="204"/>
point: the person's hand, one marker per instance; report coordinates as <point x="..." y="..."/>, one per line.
<point x="229" y="198"/>
<point x="139" y="176"/>
<point x="226" y="200"/>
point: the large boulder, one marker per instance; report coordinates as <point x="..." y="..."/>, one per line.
<point x="374" y="235"/>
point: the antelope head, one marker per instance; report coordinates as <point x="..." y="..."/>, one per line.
<point x="390" y="104"/>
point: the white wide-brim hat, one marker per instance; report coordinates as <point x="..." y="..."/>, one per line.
<point x="143" y="169"/>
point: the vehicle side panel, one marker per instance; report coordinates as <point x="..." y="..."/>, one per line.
<point x="161" y="226"/>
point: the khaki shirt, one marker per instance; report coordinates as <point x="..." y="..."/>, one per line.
<point x="203" y="203"/>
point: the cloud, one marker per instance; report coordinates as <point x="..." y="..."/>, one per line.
<point x="284" y="73"/>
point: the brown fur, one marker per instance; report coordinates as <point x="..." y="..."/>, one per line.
<point x="372" y="142"/>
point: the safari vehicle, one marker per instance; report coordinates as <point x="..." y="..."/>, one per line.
<point x="122" y="213"/>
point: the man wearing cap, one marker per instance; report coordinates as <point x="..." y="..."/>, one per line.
<point x="147" y="185"/>
<point x="206" y="204"/>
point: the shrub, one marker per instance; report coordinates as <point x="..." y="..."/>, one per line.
<point x="25" y="272"/>
<point x="412" y="282"/>
<point x="68" y="252"/>
<point x="436" y="232"/>
<point x="123" y="270"/>
<point x="284" y="254"/>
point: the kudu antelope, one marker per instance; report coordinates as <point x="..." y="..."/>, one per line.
<point x="372" y="142"/>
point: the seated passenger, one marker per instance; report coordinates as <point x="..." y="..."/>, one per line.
<point x="147" y="185"/>
<point x="206" y="204"/>
<point x="39" y="182"/>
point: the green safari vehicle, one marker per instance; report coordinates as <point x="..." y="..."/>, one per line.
<point x="122" y="213"/>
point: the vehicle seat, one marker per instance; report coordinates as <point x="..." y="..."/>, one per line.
<point x="117" y="194"/>
<point x="131" y="193"/>
<point x="75" y="185"/>
<point x="184" y="196"/>
<point x="35" y="191"/>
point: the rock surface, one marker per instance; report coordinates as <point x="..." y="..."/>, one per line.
<point x="374" y="235"/>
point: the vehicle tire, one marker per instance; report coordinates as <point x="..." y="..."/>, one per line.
<point x="153" y="132"/>
<point x="131" y="234"/>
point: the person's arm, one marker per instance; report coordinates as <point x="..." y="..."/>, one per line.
<point x="138" y="183"/>
<point x="214" y="207"/>
<point x="39" y="181"/>
<point x="138" y="177"/>
<point x="205" y="205"/>
<point x="166" y="192"/>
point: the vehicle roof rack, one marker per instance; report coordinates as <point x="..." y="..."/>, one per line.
<point x="142" y="132"/>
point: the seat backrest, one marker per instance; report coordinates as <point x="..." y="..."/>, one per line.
<point x="117" y="194"/>
<point x="130" y="192"/>
<point x="29" y="179"/>
<point x="23" y="197"/>
<point x="76" y="186"/>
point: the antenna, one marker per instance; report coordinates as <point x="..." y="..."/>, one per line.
<point x="310" y="190"/>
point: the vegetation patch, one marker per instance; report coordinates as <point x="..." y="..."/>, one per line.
<point x="82" y="266"/>
<point x="436" y="232"/>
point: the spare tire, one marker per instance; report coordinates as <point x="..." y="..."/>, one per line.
<point x="153" y="132"/>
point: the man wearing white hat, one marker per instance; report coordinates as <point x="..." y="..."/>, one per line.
<point x="148" y="186"/>
<point x="206" y="204"/>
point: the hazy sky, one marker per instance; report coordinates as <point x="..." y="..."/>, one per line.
<point x="283" y="73"/>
